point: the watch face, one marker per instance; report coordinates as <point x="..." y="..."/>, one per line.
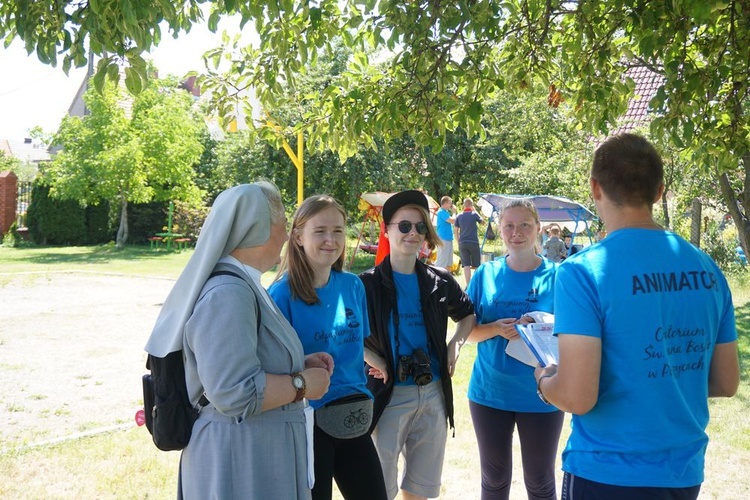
<point x="298" y="382"/>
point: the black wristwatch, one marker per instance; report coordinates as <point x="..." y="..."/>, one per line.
<point x="539" y="389"/>
<point x="299" y="384"/>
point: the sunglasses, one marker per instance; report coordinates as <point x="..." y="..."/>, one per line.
<point x="405" y="226"/>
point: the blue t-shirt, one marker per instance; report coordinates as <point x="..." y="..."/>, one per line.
<point x="444" y="228"/>
<point x="659" y="312"/>
<point x="498" y="380"/>
<point x="337" y="325"/>
<point x="412" y="333"/>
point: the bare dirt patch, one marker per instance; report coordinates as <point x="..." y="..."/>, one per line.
<point x="71" y="352"/>
<point x="71" y="360"/>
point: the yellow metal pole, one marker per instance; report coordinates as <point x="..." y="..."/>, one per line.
<point x="297" y="159"/>
<point x="299" y="163"/>
<point x="300" y="168"/>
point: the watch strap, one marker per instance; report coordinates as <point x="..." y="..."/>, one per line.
<point x="300" y="390"/>
<point x="539" y="389"/>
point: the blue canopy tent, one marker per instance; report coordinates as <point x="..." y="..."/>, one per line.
<point x="566" y="213"/>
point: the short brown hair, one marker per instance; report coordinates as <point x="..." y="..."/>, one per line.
<point x="628" y="169"/>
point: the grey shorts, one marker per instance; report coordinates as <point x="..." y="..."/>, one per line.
<point x="470" y="256"/>
<point x="413" y="424"/>
<point x="445" y="255"/>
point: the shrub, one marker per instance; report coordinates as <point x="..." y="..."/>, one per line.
<point x="55" y="222"/>
<point x="721" y="246"/>
<point x="98" y="226"/>
<point x="145" y="219"/>
<point x="65" y="222"/>
<point x="11" y="238"/>
<point x="189" y="218"/>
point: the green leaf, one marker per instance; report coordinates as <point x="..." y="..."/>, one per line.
<point x="99" y="78"/>
<point x="475" y="110"/>
<point x="133" y="81"/>
<point x="113" y="72"/>
<point x="315" y="16"/>
<point x="213" y="21"/>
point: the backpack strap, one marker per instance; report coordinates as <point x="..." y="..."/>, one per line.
<point x="203" y="401"/>
<point x="225" y="273"/>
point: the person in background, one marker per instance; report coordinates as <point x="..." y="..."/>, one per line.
<point x="554" y="248"/>
<point x="251" y="438"/>
<point x="410" y="363"/>
<point x="570" y="248"/>
<point x="327" y="308"/>
<point x="444" y="224"/>
<point x="468" y="238"/>
<point x="502" y="390"/>
<point x="644" y="341"/>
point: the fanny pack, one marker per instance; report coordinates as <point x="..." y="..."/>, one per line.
<point x="345" y="418"/>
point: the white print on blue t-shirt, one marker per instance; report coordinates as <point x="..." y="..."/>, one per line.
<point x="337" y="325"/>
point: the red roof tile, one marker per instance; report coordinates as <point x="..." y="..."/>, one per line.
<point x="647" y="83"/>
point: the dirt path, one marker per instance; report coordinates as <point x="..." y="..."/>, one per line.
<point x="71" y="360"/>
<point x="71" y="352"/>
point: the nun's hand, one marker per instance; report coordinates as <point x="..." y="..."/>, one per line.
<point x="317" y="380"/>
<point x="320" y="360"/>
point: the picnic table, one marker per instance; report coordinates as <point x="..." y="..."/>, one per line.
<point x="168" y="239"/>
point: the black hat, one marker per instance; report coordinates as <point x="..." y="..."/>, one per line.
<point x="398" y="200"/>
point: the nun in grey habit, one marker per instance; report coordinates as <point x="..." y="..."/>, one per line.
<point x="253" y="440"/>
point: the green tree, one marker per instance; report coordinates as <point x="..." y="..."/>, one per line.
<point x="147" y="156"/>
<point x="8" y="163"/>
<point x="444" y="61"/>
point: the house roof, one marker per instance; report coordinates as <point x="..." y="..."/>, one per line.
<point x="26" y="150"/>
<point x="647" y="83"/>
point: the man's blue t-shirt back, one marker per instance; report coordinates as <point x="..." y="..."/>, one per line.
<point x="659" y="313"/>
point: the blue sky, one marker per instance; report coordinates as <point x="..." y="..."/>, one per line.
<point x="32" y="93"/>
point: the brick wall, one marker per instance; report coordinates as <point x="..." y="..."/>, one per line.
<point x="8" y="198"/>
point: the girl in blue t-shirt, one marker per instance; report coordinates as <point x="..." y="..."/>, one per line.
<point x="328" y="309"/>
<point x="502" y="390"/>
<point x="410" y="358"/>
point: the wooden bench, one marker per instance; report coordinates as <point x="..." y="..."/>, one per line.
<point x="155" y="241"/>
<point x="182" y="243"/>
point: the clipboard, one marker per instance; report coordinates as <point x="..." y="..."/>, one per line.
<point x="536" y="339"/>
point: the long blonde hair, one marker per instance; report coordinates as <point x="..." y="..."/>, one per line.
<point x="295" y="262"/>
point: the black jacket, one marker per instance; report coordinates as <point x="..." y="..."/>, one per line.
<point x="441" y="296"/>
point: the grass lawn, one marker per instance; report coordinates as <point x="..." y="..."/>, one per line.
<point x="133" y="260"/>
<point x="125" y="464"/>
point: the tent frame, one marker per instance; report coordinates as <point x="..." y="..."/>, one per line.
<point x="550" y="208"/>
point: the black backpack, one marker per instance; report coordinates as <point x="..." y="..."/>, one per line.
<point x="490" y="235"/>
<point x="168" y="413"/>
